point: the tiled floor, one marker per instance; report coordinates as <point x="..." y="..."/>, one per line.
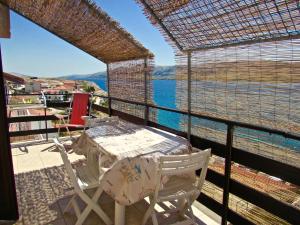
<point x="44" y="189"/>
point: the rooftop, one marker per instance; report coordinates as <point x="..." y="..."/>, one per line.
<point x="13" y="78"/>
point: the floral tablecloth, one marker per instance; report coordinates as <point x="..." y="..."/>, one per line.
<point x="127" y="156"/>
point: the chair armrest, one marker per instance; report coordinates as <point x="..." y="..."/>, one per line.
<point x="86" y="117"/>
<point x="59" y="116"/>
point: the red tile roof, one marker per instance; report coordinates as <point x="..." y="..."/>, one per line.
<point x="13" y="78"/>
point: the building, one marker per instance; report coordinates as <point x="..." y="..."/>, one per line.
<point x="56" y="95"/>
<point x="13" y="84"/>
<point x="32" y="86"/>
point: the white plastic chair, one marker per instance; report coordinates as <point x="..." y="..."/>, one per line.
<point x="179" y="188"/>
<point x="83" y="180"/>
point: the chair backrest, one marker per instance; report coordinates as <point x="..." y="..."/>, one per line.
<point x="181" y="164"/>
<point x="80" y="107"/>
<point x="67" y="163"/>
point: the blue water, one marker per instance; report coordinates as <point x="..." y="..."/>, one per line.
<point x="100" y="82"/>
<point x="164" y="94"/>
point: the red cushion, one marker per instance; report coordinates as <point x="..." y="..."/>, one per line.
<point x="79" y="108"/>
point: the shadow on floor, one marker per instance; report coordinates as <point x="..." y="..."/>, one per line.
<point x="43" y="195"/>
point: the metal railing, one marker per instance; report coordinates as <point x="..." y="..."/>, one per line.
<point x="286" y="172"/>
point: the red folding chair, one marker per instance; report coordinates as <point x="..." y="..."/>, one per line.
<point x="79" y="112"/>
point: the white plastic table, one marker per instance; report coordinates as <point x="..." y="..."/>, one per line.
<point x="129" y="154"/>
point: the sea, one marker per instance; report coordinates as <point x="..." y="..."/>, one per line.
<point x="164" y="94"/>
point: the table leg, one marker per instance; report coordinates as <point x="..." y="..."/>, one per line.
<point x="119" y="214"/>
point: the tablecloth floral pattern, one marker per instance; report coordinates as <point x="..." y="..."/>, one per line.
<point x="124" y="156"/>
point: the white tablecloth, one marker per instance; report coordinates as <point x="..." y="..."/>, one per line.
<point x="130" y="154"/>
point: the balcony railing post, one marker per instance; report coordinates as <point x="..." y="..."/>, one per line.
<point x="8" y="206"/>
<point x="189" y="94"/>
<point x="146" y="72"/>
<point x="108" y="90"/>
<point x="46" y="124"/>
<point x="229" y="141"/>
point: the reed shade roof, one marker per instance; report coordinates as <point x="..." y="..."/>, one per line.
<point x="4" y="22"/>
<point x="205" y="24"/>
<point x="83" y="24"/>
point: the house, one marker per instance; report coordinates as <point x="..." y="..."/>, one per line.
<point x="58" y="94"/>
<point x="32" y="86"/>
<point x="13" y="84"/>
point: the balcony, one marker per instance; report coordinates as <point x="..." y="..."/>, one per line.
<point x="261" y="189"/>
<point x="236" y="91"/>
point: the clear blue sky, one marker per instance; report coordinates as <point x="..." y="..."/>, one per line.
<point x="34" y="51"/>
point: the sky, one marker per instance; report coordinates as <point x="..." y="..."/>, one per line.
<point x="33" y="51"/>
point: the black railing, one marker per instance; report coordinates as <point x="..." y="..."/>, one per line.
<point x="254" y="161"/>
<point x="43" y="118"/>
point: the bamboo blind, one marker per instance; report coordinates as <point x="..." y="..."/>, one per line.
<point x="245" y="66"/>
<point x="254" y="83"/>
<point x="127" y="81"/>
<point x="83" y="24"/>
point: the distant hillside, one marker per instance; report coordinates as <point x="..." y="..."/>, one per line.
<point x="255" y="71"/>
<point x="99" y="75"/>
<point x="22" y="75"/>
<point x="252" y="71"/>
<point x="164" y="72"/>
<point x="159" y="73"/>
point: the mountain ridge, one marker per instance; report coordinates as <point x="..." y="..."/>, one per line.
<point x="159" y="73"/>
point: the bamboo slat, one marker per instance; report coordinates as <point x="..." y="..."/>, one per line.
<point x="83" y="24"/>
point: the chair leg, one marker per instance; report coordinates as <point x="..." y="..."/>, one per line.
<point x="83" y="215"/>
<point x="58" y="132"/>
<point x="92" y="205"/>
<point x="119" y="214"/>
<point x="98" y="210"/>
<point x="148" y="212"/>
<point x="76" y="208"/>
<point x="191" y="210"/>
<point x="154" y="218"/>
<point x="63" y="121"/>
<point x="183" y="207"/>
<point x="187" y="207"/>
<point x="70" y="203"/>
<point x="69" y="133"/>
